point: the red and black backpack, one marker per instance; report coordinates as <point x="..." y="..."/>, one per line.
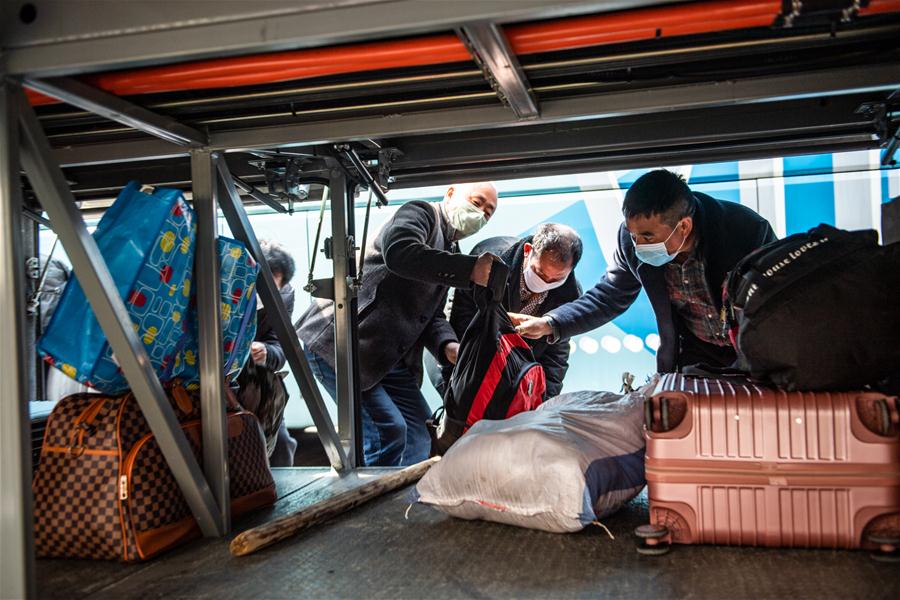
<point x="495" y="376"/>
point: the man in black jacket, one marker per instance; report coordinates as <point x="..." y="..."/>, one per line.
<point x="541" y="278"/>
<point x="679" y="246"/>
<point x="408" y="268"/>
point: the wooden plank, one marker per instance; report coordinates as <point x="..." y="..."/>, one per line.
<point x="283" y="528"/>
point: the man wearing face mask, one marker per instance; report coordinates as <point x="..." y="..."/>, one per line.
<point x="679" y="246"/>
<point x="409" y="267"/>
<point x="541" y="278"/>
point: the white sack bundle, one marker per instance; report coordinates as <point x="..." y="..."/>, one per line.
<point x="574" y="460"/>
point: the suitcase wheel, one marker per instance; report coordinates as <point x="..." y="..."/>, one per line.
<point x="888" y="547"/>
<point x="886" y="557"/>
<point x="652" y="540"/>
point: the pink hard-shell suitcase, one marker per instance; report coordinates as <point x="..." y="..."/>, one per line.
<point x="734" y="463"/>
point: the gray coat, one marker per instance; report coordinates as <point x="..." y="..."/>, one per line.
<point x="409" y="266"/>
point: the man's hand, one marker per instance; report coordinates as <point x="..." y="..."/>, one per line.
<point x="451" y="351"/>
<point x="482" y="270"/>
<point x="258" y="353"/>
<point x="531" y="327"/>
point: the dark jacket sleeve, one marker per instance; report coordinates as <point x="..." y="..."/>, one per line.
<point x="275" y="358"/>
<point x="555" y="361"/>
<point x="766" y="234"/>
<point x="604" y="302"/>
<point x="438" y="333"/>
<point x="462" y="311"/>
<point x="407" y="253"/>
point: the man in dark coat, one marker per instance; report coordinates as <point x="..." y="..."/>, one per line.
<point x="408" y="269"/>
<point x="541" y="278"/>
<point x="678" y="245"/>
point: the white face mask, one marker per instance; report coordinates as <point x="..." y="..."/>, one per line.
<point x="534" y="283"/>
<point x="465" y="218"/>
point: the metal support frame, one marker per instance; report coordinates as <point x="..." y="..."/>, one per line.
<point x="137" y="33"/>
<point x="668" y="99"/>
<point x="17" y="566"/>
<point x="50" y="185"/>
<point x="489" y="47"/>
<point x="207" y="279"/>
<point x="351" y="155"/>
<point x="240" y="226"/>
<point x="346" y="346"/>
<point x="256" y="194"/>
<point x="89" y="98"/>
<point x="32" y="261"/>
<point x="608" y="144"/>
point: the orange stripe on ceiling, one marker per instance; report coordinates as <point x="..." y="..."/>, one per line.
<point x="880" y="6"/>
<point x="594" y="30"/>
<point x="278" y="67"/>
<point x="529" y="38"/>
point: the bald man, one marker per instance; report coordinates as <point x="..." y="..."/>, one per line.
<point x="409" y="267"/>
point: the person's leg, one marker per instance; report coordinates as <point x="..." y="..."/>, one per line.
<point x="327" y="377"/>
<point x="389" y="425"/>
<point x="400" y="385"/>
<point x="285" y="447"/>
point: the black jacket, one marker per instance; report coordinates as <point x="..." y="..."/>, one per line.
<point x="275" y="357"/>
<point x="409" y="267"/>
<point x="727" y="232"/>
<point x="554" y="358"/>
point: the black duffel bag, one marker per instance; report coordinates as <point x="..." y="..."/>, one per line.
<point x="817" y="310"/>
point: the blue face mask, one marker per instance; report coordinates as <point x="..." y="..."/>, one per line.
<point x="656" y="254"/>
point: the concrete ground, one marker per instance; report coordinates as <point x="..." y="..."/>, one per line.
<point x="373" y="552"/>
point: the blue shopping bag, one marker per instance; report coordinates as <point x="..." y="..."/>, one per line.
<point x="147" y="240"/>
<point x="238" y="271"/>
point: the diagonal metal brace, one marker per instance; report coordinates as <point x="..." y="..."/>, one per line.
<point x="491" y="50"/>
<point x="100" y="289"/>
<point x="84" y="96"/>
<point x="239" y="223"/>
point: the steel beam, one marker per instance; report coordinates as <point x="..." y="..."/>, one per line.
<point x="100" y="289"/>
<point x="32" y="259"/>
<point x="261" y="196"/>
<point x="774" y="120"/>
<point x="209" y="312"/>
<point x="241" y="228"/>
<point x="17" y="566"/>
<point x="489" y="47"/>
<point x="651" y="157"/>
<point x="351" y="155"/>
<point x="346" y="347"/>
<point x="668" y="99"/>
<point x="87" y="97"/>
<point x="62" y="41"/>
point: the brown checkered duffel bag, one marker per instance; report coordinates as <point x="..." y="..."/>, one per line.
<point x="103" y="489"/>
